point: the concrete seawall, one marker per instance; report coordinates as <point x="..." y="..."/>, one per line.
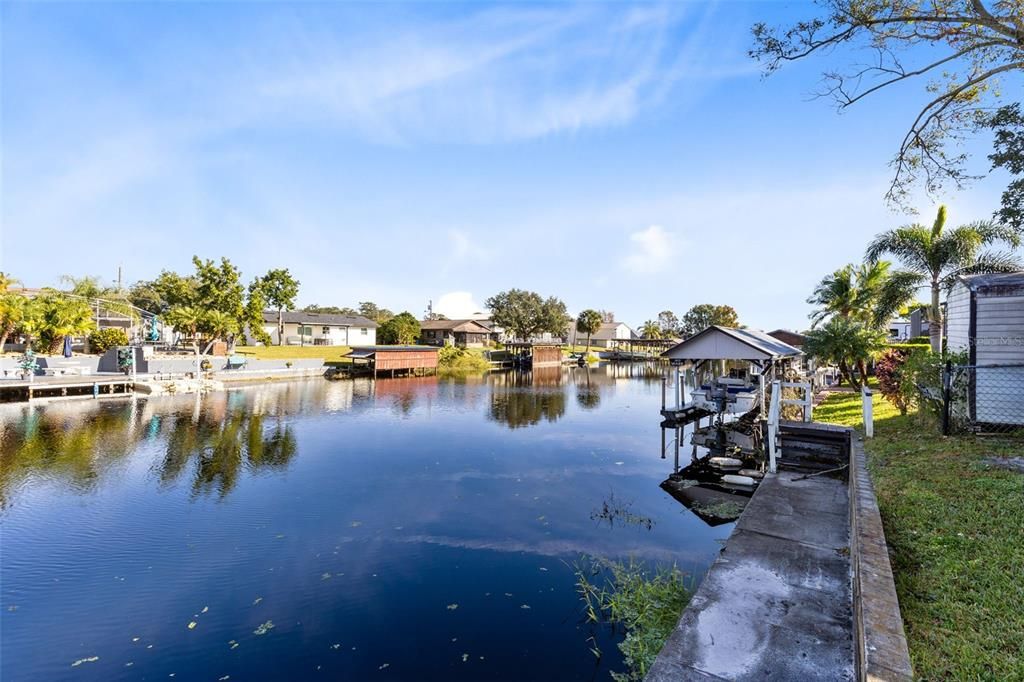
<point x="802" y="589"/>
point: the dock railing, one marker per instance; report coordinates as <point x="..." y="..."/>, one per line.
<point x="774" y="413"/>
<point x="806" y="402"/>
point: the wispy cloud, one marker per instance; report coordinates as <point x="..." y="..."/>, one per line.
<point x="651" y="251"/>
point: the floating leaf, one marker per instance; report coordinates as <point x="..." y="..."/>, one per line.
<point x="383" y="666"/>
<point x="325" y="576"/>
<point x="356" y="524"/>
<point x="205" y="609"/>
<point x="465" y="657"/>
<point x="264" y="629"/>
<point x="452" y="607"/>
<point x="90" y="659"/>
<point x="335" y="646"/>
<point x="543" y="569"/>
<point x="525" y="606"/>
<point x="135" y="639"/>
<point x="257" y="600"/>
<point x="192" y="625"/>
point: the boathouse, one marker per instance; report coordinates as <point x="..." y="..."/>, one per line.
<point x="730" y="343"/>
<point x="461" y="333"/>
<point x="392" y="359"/>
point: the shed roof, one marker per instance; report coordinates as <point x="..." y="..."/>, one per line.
<point x="1009" y="280"/>
<point x="360" y="352"/>
<point x="729" y="343"/>
<point x="792" y="338"/>
<point x="328" y="319"/>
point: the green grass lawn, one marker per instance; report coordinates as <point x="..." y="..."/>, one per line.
<point x="328" y="353"/>
<point x="955" y="529"/>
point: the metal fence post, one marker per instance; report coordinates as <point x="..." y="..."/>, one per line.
<point x="869" y="418"/>
<point x="947" y="372"/>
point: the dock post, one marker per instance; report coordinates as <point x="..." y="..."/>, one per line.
<point x="869" y="418"/>
<point x="679" y="388"/>
<point x="95" y="390"/>
<point x="678" y="436"/>
<point x="663" y="443"/>
<point x="664" y="388"/>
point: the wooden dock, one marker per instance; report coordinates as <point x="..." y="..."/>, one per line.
<point x="65" y="387"/>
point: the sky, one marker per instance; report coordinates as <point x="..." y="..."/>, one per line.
<point x="625" y="157"/>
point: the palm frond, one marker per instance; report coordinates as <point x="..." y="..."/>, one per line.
<point x="910" y="245"/>
<point x="899" y="289"/>
<point x="989" y="261"/>
<point x="940" y="222"/>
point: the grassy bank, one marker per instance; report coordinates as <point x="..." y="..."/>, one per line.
<point x="955" y="528"/>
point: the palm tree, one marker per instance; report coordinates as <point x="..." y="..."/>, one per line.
<point x="219" y="325"/>
<point x="589" y="323"/>
<point x="868" y="293"/>
<point x="190" y="319"/>
<point x="650" y="330"/>
<point x="847" y="343"/>
<point x="63" y="316"/>
<point x="934" y="257"/>
<point x="12" y="312"/>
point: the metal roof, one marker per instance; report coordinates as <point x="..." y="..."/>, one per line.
<point x="328" y="319"/>
<point x="729" y="343"/>
<point x="993" y="279"/>
<point x="370" y="351"/>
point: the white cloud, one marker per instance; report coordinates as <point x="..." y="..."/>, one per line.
<point x="458" y="305"/>
<point x="651" y="251"/>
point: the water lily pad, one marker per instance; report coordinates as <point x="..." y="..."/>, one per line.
<point x="264" y="629"/>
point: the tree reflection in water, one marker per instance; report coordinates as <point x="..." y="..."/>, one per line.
<point x="210" y="439"/>
<point x="516" y="402"/>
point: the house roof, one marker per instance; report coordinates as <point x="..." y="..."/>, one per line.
<point x="729" y="343"/>
<point x="324" y="319"/>
<point x="989" y="280"/>
<point x="472" y="326"/>
<point x="786" y="336"/>
<point x="605" y="333"/>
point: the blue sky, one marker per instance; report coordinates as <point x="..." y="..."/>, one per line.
<point x="624" y="157"/>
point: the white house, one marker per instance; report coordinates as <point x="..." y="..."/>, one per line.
<point x="985" y="318"/>
<point x="320" y="329"/>
<point x="607" y="336"/>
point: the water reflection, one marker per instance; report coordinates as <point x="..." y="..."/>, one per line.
<point x="521" y="399"/>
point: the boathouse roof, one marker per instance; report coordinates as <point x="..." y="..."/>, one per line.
<point x="729" y="343"/>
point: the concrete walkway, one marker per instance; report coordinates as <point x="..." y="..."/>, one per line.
<point x="777" y="603"/>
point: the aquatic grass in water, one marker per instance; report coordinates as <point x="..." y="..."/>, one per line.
<point x="645" y="604"/>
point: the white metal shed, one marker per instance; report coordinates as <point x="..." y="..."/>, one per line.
<point x="985" y="317"/>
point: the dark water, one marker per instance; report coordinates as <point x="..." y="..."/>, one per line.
<point x="408" y="529"/>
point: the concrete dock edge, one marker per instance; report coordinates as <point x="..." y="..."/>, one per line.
<point x="879" y="639"/>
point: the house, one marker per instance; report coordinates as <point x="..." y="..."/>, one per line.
<point x="788" y="337"/>
<point x="319" y="329"/>
<point x="608" y="336"/>
<point x="462" y="333"/>
<point x="985" y="319"/>
<point x="497" y="332"/>
<point x="910" y="327"/>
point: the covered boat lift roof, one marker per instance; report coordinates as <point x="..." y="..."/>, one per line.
<point x="729" y="343"/>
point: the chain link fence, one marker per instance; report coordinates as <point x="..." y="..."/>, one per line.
<point x="983" y="399"/>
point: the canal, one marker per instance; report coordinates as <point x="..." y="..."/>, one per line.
<point x="421" y="528"/>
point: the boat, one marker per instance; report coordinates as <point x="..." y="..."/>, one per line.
<point x="726" y="394"/>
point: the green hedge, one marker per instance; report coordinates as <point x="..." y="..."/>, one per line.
<point x="103" y="339"/>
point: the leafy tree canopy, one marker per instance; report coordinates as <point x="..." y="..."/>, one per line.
<point x="403" y="328"/>
<point x="329" y="309"/>
<point x="525" y="314"/>
<point x="280" y="288"/>
<point x="702" y="316"/>
<point x="668" y="322"/>
<point x="962" y="47"/>
<point x="1008" y="124"/>
<point x="371" y="311"/>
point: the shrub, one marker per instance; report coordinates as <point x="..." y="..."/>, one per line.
<point x="102" y="340"/>
<point x="891" y="382"/>
<point x="459" y="360"/>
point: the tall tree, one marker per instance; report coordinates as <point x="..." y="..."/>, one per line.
<point x="63" y="316"/>
<point x="1008" y="124"/>
<point x="668" y="322"/>
<point x="650" y="330"/>
<point x="372" y="311"/>
<point x="964" y="46"/>
<point x="934" y="257"/>
<point x="255" y="304"/>
<point x="190" y="319"/>
<point x="168" y="290"/>
<point x="525" y="314"/>
<point x="12" y="311"/>
<point x="702" y="316"/>
<point x="403" y="328"/>
<point x="219" y="287"/>
<point x="218" y="325"/>
<point x="280" y="290"/>
<point x="589" y="322"/>
<point x="329" y="309"/>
